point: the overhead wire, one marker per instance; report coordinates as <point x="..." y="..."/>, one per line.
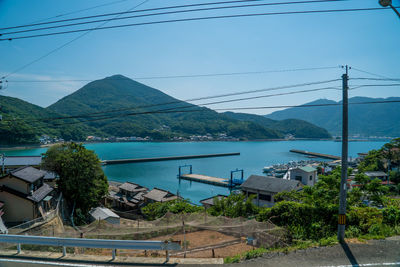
<point x="198" y="98"/>
<point x="161" y="8"/>
<point x="195" y="19"/>
<point x="168" y="13"/>
<point x="63" y="45"/>
<point x="179" y="76"/>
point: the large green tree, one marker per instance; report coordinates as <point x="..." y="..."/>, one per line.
<point x="82" y="180"/>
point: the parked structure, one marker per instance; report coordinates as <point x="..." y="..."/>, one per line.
<point x="265" y="188"/>
<point x="306" y="174"/>
<point x="25" y="195"/>
<point x="104" y="214"/>
<point x="159" y="195"/>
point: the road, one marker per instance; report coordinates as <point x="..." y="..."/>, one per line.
<point x="374" y="253"/>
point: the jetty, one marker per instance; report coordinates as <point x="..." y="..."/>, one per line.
<point x="139" y="160"/>
<point x="314" y="154"/>
<point x="205" y="179"/>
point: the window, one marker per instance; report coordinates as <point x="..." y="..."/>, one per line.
<point x="310" y="177"/>
<point x="265" y="197"/>
<point x="298" y="178"/>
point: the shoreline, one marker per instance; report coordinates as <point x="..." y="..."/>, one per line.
<point x="24" y="147"/>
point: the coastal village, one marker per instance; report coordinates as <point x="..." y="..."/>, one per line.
<point x="28" y="193"/>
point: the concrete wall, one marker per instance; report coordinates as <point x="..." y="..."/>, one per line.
<point x="17" y="209"/>
<point x="305" y="176"/>
<point x="16" y="184"/>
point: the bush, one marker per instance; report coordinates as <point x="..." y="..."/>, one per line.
<point x="156" y="210"/>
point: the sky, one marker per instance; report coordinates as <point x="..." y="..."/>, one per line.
<point x="366" y="41"/>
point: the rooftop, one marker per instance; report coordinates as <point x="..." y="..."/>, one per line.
<point x="375" y="174"/>
<point x="308" y="169"/>
<point x="159" y="195"/>
<point x="28" y="174"/>
<point x="132" y="187"/>
<point x="40" y="193"/>
<point x="210" y="200"/>
<point x="270" y="184"/>
<point x="15" y="161"/>
<point x="100" y="213"/>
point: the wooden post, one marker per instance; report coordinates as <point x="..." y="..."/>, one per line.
<point x="213" y="253"/>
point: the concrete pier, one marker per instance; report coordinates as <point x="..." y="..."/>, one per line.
<point x="138" y="160"/>
<point x="205" y="179"/>
<point x="318" y="155"/>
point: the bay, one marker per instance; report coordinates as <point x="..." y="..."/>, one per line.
<point x="253" y="157"/>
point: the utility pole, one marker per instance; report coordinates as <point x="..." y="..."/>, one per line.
<point x="386" y="3"/>
<point x="345" y="143"/>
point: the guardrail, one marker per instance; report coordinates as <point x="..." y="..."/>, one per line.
<point x="90" y="243"/>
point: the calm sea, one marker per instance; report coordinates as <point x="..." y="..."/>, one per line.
<point x="253" y="157"/>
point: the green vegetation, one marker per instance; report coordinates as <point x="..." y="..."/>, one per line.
<point x="156" y="210"/>
<point x="82" y="180"/>
<point x="25" y="128"/>
<point x="365" y="120"/>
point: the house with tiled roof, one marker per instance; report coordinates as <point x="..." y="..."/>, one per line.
<point x="24" y="194"/>
<point x="159" y="195"/>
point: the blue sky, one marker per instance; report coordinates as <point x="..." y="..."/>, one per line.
<point x="366" y="40"/>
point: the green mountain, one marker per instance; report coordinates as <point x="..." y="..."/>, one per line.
<point x="364" y="119"/>
<point x="120" y="107"/>
<point x="118" y="92"/>
<point x="20" y="124"/>
<point x="295" y="127"/>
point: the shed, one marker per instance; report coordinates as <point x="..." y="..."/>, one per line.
<point x="209" y="202"/>
<point x="104" y="214"/>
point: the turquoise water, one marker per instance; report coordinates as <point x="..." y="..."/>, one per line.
<point x="254" y="156"/>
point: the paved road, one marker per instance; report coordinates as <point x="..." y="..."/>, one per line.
<point x="374" y="253"/>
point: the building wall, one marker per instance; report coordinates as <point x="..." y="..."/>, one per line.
<point x="17" y="209"/>
<point x="305" y="176"/>
<point x="112" y="220"/>
<point x="16" y="184"/>
<point x="263" y="198"/>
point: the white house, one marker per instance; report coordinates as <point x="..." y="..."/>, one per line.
<point x="307" y="175"/>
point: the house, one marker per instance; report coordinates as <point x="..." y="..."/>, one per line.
<point x="265" y="188"/>
<point x="376" y="174"/>
<point x="13" y="162"/>
<point x="104" y="214"/>
<point x="209" y="202"/>
<point x="25" y="195"/>
<point x="159" y="195"/>
<point x="306" y="174"/>
<point x="128" y="197"/>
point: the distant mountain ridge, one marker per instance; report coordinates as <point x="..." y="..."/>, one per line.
<point x="112" y="104"/>
<point x="364" y="119"/>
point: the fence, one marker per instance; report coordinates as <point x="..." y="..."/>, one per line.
<point x="89" y="243"/>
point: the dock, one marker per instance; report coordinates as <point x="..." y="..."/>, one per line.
<point x="206" y="179"/>
<point x="139" y="160"/>
<point x="318" y="155"/>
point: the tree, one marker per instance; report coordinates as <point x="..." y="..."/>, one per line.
<point x="82" y="180"/>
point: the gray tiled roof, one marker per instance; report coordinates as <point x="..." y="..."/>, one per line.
<point x="100" y="213"/>
<point x="14" y="161"/>
<point x="269" y="184"/>
<point x="160" y="195"/>
<point x="40" y="193"/>
<point x="128" y="186"/>
<point x="28" y="174"/>
<point x="375" y="174"/>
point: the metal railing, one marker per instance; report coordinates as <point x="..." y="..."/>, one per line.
<point x="90" y="243"/>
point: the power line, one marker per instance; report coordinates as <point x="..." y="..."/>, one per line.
<point x="63" y="45"/>
<point x="377" y="79"/>
<point x="72" y="12"/>
<point x="370" y="73"/>
<point x="167" y="13"/>
<point x="154" y="9"/>
<point x="196" y="19"/>
<point x="195" y="99"/>
<point x="189" y="106"/>
<point x="180" y="76"/>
